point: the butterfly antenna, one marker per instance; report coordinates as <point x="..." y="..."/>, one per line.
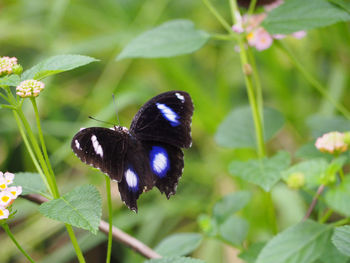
<point x="92" y="118"/>
<point x="116" y="109"/>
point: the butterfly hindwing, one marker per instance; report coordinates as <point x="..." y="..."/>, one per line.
<point x="166" y="163"/>
<point x="102" y="148"/>
<point x="137" y="176"/>
<point x="165" y="118"/>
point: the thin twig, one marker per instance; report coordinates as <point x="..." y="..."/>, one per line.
<point x="314" y="201"/>
<point x="117" y="234"/>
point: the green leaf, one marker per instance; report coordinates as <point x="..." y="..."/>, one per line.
<point x="264" y="172"/>
<point x="322" y="124"/>
<point x="250" y="255"/>
<point x="238" y="131"/>
<point x="338" y="197"/>
<point x="312" y="170"/>
<point x="309" y="151"/>
<point x="234" y="230"/>
<point x="81" y="207"/>
<point x="342" y="3"/>
<point x="301" y="243"/>
<point x="295" y="15"/>
<point x="170" y="39"/>
<point x="332" y="254"/>
<point x="341" y="239"/>
<point x="179" y="244"/>
<point x="230" y="204"/>
<point x="11" y="80"/>
<point x="55" y="65"/>
<point x="175" y="260"/>
<point x="31" y="183"/>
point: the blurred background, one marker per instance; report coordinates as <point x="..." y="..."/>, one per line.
<point x="34" y="30"/>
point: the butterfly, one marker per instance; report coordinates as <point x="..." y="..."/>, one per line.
<point x="146" y="155"/>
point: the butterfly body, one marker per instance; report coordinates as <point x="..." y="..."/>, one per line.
<point x="146" y="155"/>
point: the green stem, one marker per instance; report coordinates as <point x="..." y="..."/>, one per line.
<point x="341" y="222"/>
<point x="341" y="174"/>
<point x="224" y="37"/>
<point x="9" y="233"/>
<point x="252" y="7"/>
<point x="248" y="72"/>
<point x="271" y="213"/>
<point x="313" y="82"/>
<point x="217" y="15"/>
<point x="75" y="243"/>
<point x="325" y="217"/>
<point x="43" y="147"/>
<point x="29" y="149"/>
<point x="110" y="218"/>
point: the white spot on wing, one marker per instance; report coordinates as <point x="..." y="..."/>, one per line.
<point x="168" y="113"/>
<point x="97" y="146"/>
<point x="77" y="144"/>
<point x="159" y="163"/>
<point x="180" y="97"/>
<point x="131" y="178"/>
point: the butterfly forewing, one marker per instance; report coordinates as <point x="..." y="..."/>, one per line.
<point x="165" y="118"/>
<point x="102" y="148"/>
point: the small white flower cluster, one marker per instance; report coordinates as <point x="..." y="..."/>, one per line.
<point x="7" y="194"/>
<point x="7" y="64"/>
<point x="332" y="142"/>
<point x="256" y="35"/>
<point x="29" y="88"/>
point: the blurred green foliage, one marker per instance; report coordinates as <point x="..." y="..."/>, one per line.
<point x="36" y="29"/>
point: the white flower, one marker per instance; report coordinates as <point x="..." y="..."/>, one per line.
<point x="6" y="198"/>
<point x="4" y="213"/>
<point x="9" y="177"/>
<point x="3" y="183"/>
<point x="29" y="88"/>
<point x="15" y="190"/>
<point x="332" y="142"/>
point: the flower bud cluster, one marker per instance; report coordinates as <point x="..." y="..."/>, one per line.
<point x="332" y="142"/>
<point x="29" y="88"/>
<point x="7" y="194"/>
<point x="256" y="35"/>
<point x="7" y="65"/>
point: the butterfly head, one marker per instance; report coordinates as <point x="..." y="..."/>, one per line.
<point x="120" y="129"/>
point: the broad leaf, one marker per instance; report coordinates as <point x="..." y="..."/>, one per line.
<point x="332" y="254"/>
<point x="238" y="131"/>
<point x="234" y="230"/>
<point x="338" y="197"/>
<point x="175" y="260"/>
<point x="309" y="151"/>
<point x="341" y="239"/>
<point x="321" y="124"/>
<point x="170" y="39"/>
<point x="342" y="3"/>
<point x="250" y="255"/>
<point x="179" y="244"/>
<point x="31" y="183"/>
<point x="265" y="172"/>
<point x="302" y="243"/>
<point x="312" y="170"/>
<point x="81" y="207"/>
<point x="230" y="204"/>
<point x="55" y="65"/>
<point x="11" y="80"/>
<point x="296" y="15"/>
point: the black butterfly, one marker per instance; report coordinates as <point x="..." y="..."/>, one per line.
<point x="147" y="155"/>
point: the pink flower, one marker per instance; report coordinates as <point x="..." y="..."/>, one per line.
<point x="29" y="88"/>
<point x="7" y="64"/>
<point x="260" y="39"/>
<point x="279" y="36"/>
<point x="332" y="142"/>
<point x="299" y="34"/>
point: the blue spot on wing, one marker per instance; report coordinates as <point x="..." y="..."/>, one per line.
<point x="169" y="114"/>
<point x="159" y="161"/>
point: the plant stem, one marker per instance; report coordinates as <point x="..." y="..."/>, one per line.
<point x="252" y="7"/>
<point x="247" y="71"/>
<point x="75" y="243"/>
<point x="110" y="218"/>
<point x="217" y="15"/>
<point x="271" y="213"/>
<point x="313" y="82"/>
<point x="341" y="222"/>
<point x="325" y="217"/>
<point x="9" y="233"/>
<point x="341" y="174"/>
<point x="29" y="149"/>
<point x="314" y="201"/>
<point x="43" y="147"/>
